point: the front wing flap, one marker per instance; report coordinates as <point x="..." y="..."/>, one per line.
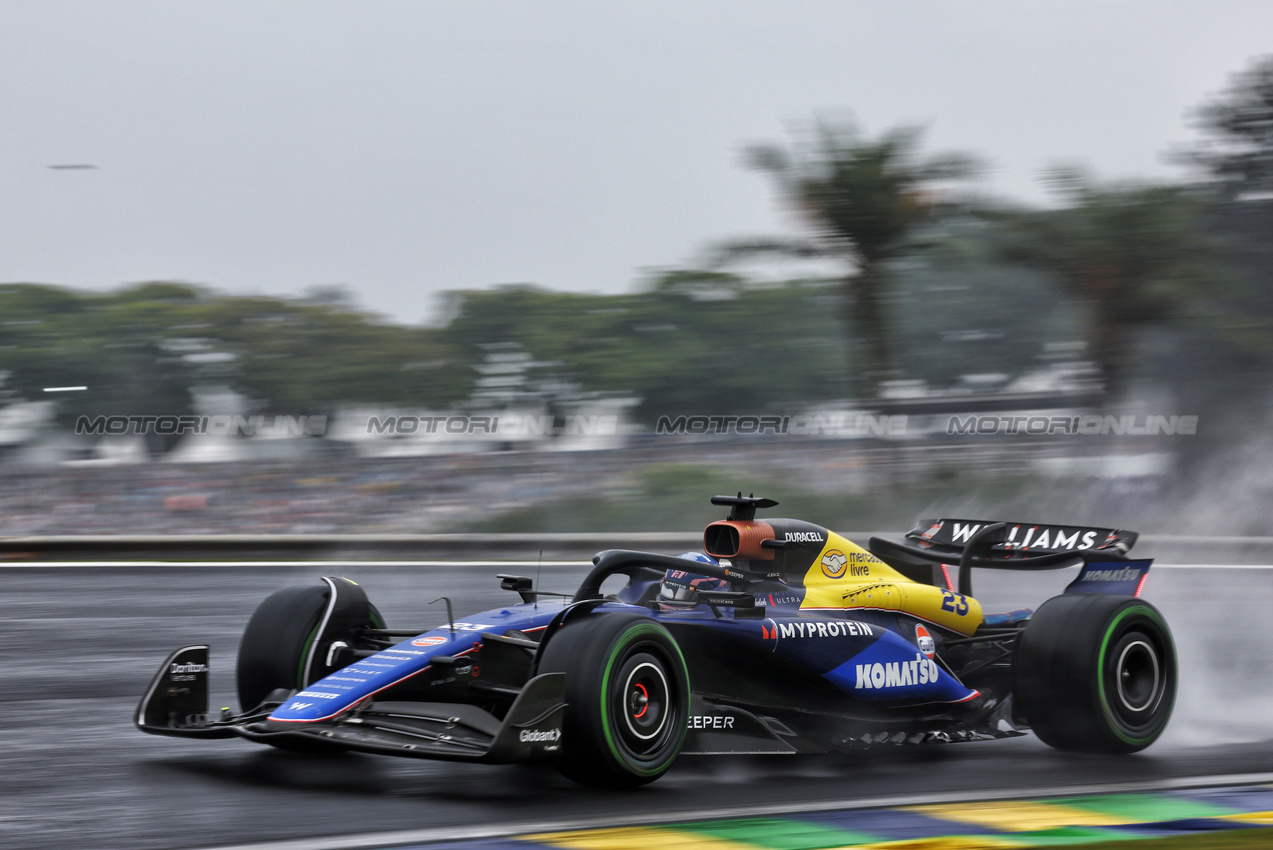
<point x="176" y="704"/>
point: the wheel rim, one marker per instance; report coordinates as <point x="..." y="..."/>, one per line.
<point x="1138" y="673"/>
<point x="644" y="697"/>
<point x="1137" y="680"/>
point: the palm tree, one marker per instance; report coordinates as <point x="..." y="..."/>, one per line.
<point x="861" y="200"/>
<point x="1130" y="256"/>
<point x="1238" y="151"/>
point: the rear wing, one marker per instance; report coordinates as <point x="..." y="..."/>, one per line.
<point x="1019" y="540"/>
<point x="939" y="544"/>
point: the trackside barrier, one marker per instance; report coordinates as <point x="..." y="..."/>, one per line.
<point x="500" y="547"/>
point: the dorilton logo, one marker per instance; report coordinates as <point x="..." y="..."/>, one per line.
<point x="537" y="736"/>
<point x="176" y="669"/>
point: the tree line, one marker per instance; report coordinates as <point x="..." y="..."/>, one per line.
<point x="1165" y="285"/>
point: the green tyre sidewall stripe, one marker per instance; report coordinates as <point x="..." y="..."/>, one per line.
<point x="301" y="684"/>
<point x="279" y="638"/>
<point x="377" y="621"/>
<point x="1169" y="676"/>
<point x="618" y="650"/>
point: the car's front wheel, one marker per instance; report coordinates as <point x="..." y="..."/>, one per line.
<point x="282" y="647"/>
<point x="627" y="695"/>
<point x="1095" y="672"/>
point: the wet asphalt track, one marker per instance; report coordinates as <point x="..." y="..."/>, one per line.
<point x="79" y="645"/>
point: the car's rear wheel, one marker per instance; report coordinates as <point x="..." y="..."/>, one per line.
<point x="627" y="695"/>
<point x="1095" y="672"/>
<point x="277" y="643"/>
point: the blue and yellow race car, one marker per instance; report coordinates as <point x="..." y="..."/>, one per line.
<point x="779" y="637"/>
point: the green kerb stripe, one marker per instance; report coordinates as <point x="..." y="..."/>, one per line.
<point x="780" y="833"/>
<point x="1146" y="808"/>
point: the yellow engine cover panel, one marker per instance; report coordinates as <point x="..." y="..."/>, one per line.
<point x="943" y="607"/>
<point x="888" y="597"/>
<point x="846" y="576"/>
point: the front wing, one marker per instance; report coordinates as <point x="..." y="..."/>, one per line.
<point x="176" y="704"/>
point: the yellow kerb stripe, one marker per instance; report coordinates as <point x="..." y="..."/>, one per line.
<point x="1250" y="817"/>
<point x="1019" y="817"/>
<point x="634" y="838"/>
<point x="953" y="842"/>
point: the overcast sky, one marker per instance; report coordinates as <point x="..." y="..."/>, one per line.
<point x="403" y="149"/>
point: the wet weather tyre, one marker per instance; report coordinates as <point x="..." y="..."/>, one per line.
<point x="1095" y="672"/>
<point x="275" y="640"/>
<point x="274" y="647"/>
<point x="627" y="695"/>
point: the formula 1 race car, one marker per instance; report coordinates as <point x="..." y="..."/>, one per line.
<point x="781" y="637"/>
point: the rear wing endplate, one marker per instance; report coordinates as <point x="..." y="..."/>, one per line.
<point x="1126" y="578"/>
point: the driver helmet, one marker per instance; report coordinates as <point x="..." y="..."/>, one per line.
<point x="680" y="585"/>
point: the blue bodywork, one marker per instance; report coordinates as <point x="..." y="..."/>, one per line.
<point x="346" y="687"/>
<point x="857" y="652"/>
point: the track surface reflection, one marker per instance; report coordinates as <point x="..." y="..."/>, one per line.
<point x="80" y="645"/>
